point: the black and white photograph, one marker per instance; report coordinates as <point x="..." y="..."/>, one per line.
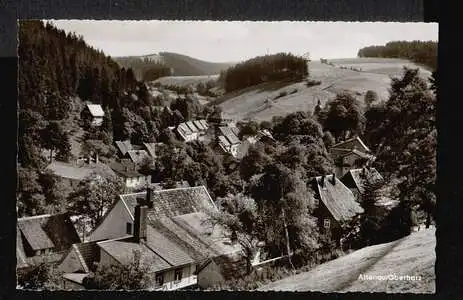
<point x="226" y="155"/>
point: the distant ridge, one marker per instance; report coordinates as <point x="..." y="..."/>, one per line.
<point x="180" y="65"/>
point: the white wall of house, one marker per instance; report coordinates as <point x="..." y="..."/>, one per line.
<point x="97" y="121"/>
<point x="188" y="278"/>
<point x="234" y="149"/>
<point x="134" y="182"/>
<point x="113" y="225"/>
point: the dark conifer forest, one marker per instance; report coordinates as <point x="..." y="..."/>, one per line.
<point x="420" y="52"/>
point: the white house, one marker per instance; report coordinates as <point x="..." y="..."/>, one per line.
<point x="95" y="111"/>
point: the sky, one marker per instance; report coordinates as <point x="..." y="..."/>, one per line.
<point x="221" y="41"/>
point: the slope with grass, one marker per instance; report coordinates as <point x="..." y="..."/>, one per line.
<point x="264" y="101"/>
<point x="413" y="255"/>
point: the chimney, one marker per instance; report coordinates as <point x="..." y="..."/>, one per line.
<point x="139" y="232"/>
<point x="333" y="181"/>
<point x="322" y="182"/>
<point x="149" y="197"/>
<point x="96" y="158"/>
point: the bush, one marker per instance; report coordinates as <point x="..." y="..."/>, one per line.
<point x="311" y="82"/>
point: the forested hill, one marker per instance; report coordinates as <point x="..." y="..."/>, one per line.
<point x="58" y="72"/>
<point x="420" y="52"/>
<point x="54" y="65"/>
<point x="181" y="65"/>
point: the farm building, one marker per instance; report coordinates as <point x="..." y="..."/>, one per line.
<point x="335" y="204"/>
<point x="136" y="153"/>
<point x="356" y="179"/>
<point x="94" y="113"/>
<point x="43" y="239"/>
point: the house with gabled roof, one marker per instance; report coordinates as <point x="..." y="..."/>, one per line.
<point x="95" y="113"/>
<point x="43" y="239"/>
<point x="336" y="205"/>
<point x="356" y="179"/>
<point x="350" y="154"/>
<point x="227" y="139"/>
<point x="192" y="130"/>
<point x="170" y="229"/>
<point x="129" y="173"/>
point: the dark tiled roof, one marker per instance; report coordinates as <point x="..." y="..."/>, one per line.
<point x="124" y="146"/>
<point x="165" y="248"/>
<point x="125" y="170"/>
<point x="90" y="253"/>
<point x="338" y="198"/>
<point x="69" y="171"/>
<point x="124" y="251"/>
<point x="364" y="175"/>
<point x="137" y="156"/>
<point x="231" y="267"/>
<point x="229" y="134"/>
<point x="54" y="232"/>
<point x="173" y="202"/>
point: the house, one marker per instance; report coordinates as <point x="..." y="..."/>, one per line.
<point x="169" y="229"/>
<point x="77" y="263"/>
<point x="350" y="154"/>
<point x="192" y="130"/>
<point x="127" y="170"/>
<point x="43" y="239"/>
<point x="228" y="141"/>
<point x="136" y="153"/>
<point x="336" y="205"/>
<point x="93" y="112"/>
<point x="74" y="174"/>
<point x="356" y="179"/>
<point x="150" y="148"/>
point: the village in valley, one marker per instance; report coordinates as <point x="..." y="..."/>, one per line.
<point x="166" y="172"/>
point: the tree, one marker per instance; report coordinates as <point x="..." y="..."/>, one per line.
<point x="135" y="275"/>
<point x="54" y="190"/>
<point x="54" y="137"/>
<point x="407" y="139"/>
<point x="370" y="220"/>
<point x="94" y="196"/>
<point x="284" y="204"/>
<point x="370" y="97"/>
<point x="238" y="215"/>
<point x="344" y="116"/>
<point x="248" y="129"/>
<point x="40" y="277"/>
<point x="30" y="198"/>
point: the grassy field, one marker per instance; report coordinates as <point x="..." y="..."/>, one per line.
<point x="185" y="80"/>
<point x="263" y="102"/>
<point x="413" y="255"/>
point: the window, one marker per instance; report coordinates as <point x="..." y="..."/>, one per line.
<point x="326" y="223"/>
<point x="178" y="274"/>
<point x="160" y="279"/>
<point x="128" y="228"/>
